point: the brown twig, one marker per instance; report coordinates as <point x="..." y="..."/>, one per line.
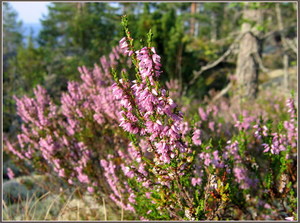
<point x="292" y="45"/>
<point x="258" y="59"/>
<point x="222" y="92"/>
<point x="183" y="191"/>
<point x="216" y="62"/>
<point x="174" y="214"/>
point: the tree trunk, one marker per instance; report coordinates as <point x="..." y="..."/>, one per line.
<point x="285" y="48"/>
<point x="179" y="66"/>
<point x="197" y="26"/>
<point x="286" y="72"/>
<point x="214" y="28"/>
<point x="193" y="20"/>
<point x="247" y="69"/>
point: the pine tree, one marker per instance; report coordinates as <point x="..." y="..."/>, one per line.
<point x="12" y="40"/>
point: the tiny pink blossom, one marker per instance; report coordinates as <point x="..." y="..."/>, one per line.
<point x="148" y="195"/>
<point x="196" y="181"/>
<point x="90" y="189"/>
<point x="289" y="218"/>
<point x="10" y="173"/>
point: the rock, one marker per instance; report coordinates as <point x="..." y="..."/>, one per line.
<point x="22" y="188"/>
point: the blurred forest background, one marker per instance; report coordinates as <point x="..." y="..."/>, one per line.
<point x="201" y="44"/>
<point x="208" y="50"/>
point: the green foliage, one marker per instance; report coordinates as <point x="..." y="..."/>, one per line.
<point x="12" y="30"/>
<point x="19" y="189"/>
<point x="78" y="32"/>
<point x="29" y="63"/>
<point x="74" y="34"/>
<point x="12" y="80"/>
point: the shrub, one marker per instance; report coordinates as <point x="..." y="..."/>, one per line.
<point x="227" y="161"/>
<point x="69" y="139"/>
<point x="173" y="170"/>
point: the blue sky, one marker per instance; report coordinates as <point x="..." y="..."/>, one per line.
<point x="30" y="12"/>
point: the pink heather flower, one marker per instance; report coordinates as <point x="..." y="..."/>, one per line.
<point x="266" y="146"/>
<point x="196" y="181"/>
<point x="148" y="195"/>
<point x="292" y="108"/>
<point x="92" y="96"/>
<point x="130" y="208"/>
<point x="146" y="184"/>
<point x="246" y="123"/>
<point x="41" y="95"/>
<point x="134" y="153"/>
<point x="123" y="43"/>
<point x="267" y="206"/>
<point x="123" y="40"/>
<point x="61" y="173"/>
<point x="143" y="105"/>
<point x="196" y="137"/>
<point x="142" y="169"/>
<point x="148" y="212"/>
<point x="239" y="173"/>
<point x="207" y="159"/>
<point x="202" y="114"/>
<point x="103" y="163"/>
<point x="174" y="89"/>
<point x="129" y="173"/>
<point x="90" y="189"/>
<point x="22" y="138"/>
<point x="232" y="148"/>
<point x="83" y="178"/>
<point x="148" y="66"/>
<point x="10" y="173"/>
<point x="292" y="131"/>
<point x="265" y="131"/>
<point x="289" y="218"/>
<point x="125" y="47"/>
<point x="241" y="177"/>
<point x="216" y="160"/>
<point x="211" y="126"/>
<point x="13" y="150"/>
<point x="260" y="131"/>
<point x="131" y="198"/>
<point x="184" y="128"/>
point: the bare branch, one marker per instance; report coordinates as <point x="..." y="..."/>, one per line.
<point x="224" y="91"/>
<point x="281" y="31"/>
<point x="258" y="59"/>
<point x="292" y="45"/>
<point x="216" y="62"/>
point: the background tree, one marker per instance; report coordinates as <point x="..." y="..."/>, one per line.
<point x="206" y="49"/>
<point x="74" y="34"/>
<point x="249" y="51"/>
<point x="12" y="40"/>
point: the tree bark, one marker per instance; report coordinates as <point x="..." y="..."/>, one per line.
<point x="214" y="28"/>
<point x="193" y="20"/>
<point x="285" y="48"/>
<point x="197" y="25"/>
<point x="247" y="69"/>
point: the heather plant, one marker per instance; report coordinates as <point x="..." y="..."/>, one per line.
<point x="226" y="161"/>
<point x="178" y="170"/>
<point x="69" y="139"/>
<point x="174" y="88"/>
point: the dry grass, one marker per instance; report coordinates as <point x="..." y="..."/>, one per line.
<point x="61" y="207"/>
